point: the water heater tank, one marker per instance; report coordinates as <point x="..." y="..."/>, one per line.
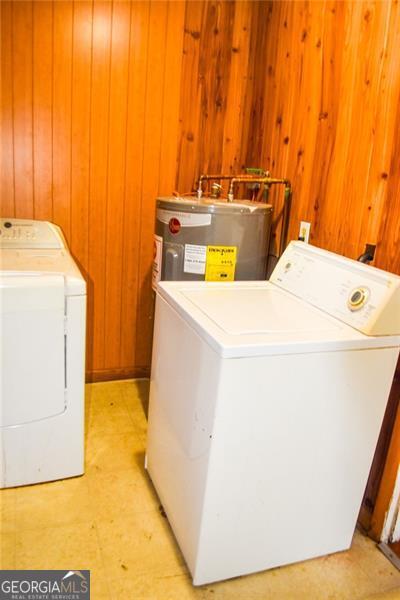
<point x="215" y="240"/>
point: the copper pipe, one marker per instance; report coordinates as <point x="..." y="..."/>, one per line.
<point x="204" y="177"/>
<point x="285" y="217"/>
<point x="268" y="181"/>
<point x="245" y="179"/>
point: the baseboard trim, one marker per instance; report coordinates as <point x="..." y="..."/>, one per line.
<point x="123" y="373"/>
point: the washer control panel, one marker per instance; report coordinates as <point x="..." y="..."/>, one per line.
<point x="27" y="233"/>
<point x="362" y="296"/>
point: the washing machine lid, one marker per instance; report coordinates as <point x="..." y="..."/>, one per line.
<point x="258" y="318"/>
<point x="37" y="262"/>
<point x="258" y="310"/>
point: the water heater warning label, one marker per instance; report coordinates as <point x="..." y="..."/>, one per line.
<point x="221" y="263"/>
<point x="195" y="259"/>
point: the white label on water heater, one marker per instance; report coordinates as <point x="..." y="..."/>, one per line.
<point x="186" y="219"/>
<point x="195" y="259"/>
<point x="157" y="261"/>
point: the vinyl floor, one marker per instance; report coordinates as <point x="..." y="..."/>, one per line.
<point x="109" y="521"/>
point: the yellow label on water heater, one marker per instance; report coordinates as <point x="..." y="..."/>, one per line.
<point x="221" y="263"/>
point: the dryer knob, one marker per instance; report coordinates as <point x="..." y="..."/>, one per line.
<point x="357" y="298"/>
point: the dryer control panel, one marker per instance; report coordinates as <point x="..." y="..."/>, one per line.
<point x="27" y="233"/>
<point x="364" y="297"/>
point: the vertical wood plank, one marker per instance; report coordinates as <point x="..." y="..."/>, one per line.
<point x="388" y="249"/>
<point x="42" y="109"/>
<point x="303" y="113"/>
<point x="62" y="104"/>
<point x="232" y="148"/>
<point x="120" y="35"/>
<point x="386" y="125"/>
<point x="214" y="74"/>
<point x="271" y="73"/>
<point x="332" y="58"/>
<point x="171" y="96"/>
<point x="151" y="165"/>
<point x="22" y="108"/>
<point x="80" y="129"/>
<point x="367" y="96"/>
<point x="284" y="18"/>
<point x="190" y="104"/>
<point x="99" y="136"/>
<point x="7" y="206"/>
<point x="255" y="104"/>
<point x="138" y="64"/>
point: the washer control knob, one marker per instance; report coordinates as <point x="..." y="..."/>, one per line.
<point x="357" y="298"/>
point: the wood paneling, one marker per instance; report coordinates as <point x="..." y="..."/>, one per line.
<point x="42" y="108"/>
<point x="81" y="125"/>
<point x="101" y="63"/>
<point x="217" y="80"/>
<point x="22" y="99"/>
<point x="105" y="105"/>
<point x="116" y="168"/>
<point x="330" y="120"/>
<point x="61" y="117"/>
<point x="7" y="115"/>
<point x="133" y="185"/>
<point x="152" y="155"/>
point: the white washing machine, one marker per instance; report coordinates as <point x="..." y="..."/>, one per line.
<point x="266" y="403"/>
<point x="42" y="355"/>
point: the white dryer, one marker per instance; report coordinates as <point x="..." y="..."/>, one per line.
<point x="266" y="402"/>
<point x="42" y="355"/>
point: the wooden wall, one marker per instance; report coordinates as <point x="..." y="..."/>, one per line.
<point x="329" y="120"/>
<point x="104" y="106"/>
<point x="107" y="104"/>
